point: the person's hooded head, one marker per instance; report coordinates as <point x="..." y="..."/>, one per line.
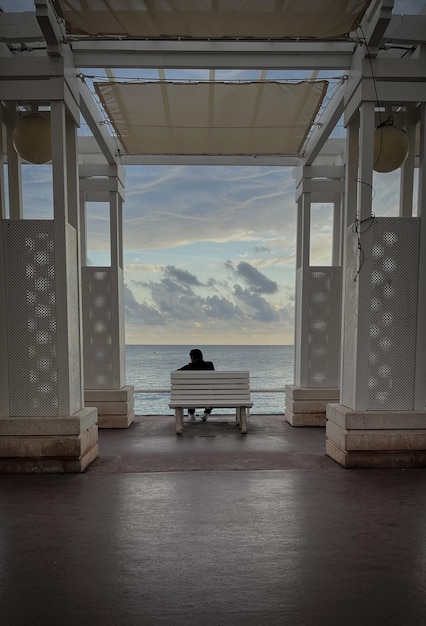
<point x="196" y="355"/>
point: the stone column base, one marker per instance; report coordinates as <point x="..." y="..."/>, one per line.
<point x="307" y="406"/>
<point x="376" y="438"/>
<point x="115" y="406"/>
<point x="48" y="444"/>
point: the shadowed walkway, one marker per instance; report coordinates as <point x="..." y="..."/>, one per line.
<point x="151" y="445"/>
<point x="127" y="545"/>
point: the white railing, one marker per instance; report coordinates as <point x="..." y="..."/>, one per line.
<point x="265" y="390"/>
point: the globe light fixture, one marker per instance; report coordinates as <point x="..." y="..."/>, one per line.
<point x="390" y="147"/>
<point x="31" y="138"/>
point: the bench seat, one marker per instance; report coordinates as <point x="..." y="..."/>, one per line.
<point x="192" y="389"/>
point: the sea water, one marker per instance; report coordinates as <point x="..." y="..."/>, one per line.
<point x="148" y="368"/>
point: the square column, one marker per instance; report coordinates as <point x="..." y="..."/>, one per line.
<point x="43" y="425"/>
<point x="103" y="307"/>
<point x="380" y="420"/>
<point x="318" y="305"/>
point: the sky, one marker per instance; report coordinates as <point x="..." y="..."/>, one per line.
<point x="209" y="252"/>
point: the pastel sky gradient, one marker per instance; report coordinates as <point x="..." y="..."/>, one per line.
<point x="209" y="252"/>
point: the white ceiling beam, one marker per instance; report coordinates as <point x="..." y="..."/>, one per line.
<point x="96" y="123"/>
<point x="375" y="22"/>
<point x="333" y="112"/>
<point x="49" y="24"/>
<point x="103" y="170"/>
<point x="90" y="154"/>
<point x="406" y="29"/>
<point x="213" y="55"/>
<point x="19" y="28"/>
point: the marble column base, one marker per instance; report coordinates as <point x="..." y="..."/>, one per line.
<point x="115" y="406"/>
<point x="307" y="406"/>
<point x="49" y="444"/>
<point x="376" y="438"/>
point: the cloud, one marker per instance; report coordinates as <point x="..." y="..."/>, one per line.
<point x="260" y="309"/>
<point x="257" y="281"/>
<point x="221" y="308"/>
<point x="182" y="277"/>
<point x="179" y="297"/>
<point x="140" y="314"/>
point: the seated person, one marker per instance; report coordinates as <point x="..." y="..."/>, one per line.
<point x="198" y="363"/>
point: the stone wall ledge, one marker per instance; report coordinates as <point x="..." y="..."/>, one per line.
<point x="116" y="421"/>
<point x="376" y="459"/>
<point x="305" y="406"/>
<point x="53" y="446"/>
<point x="75" y="424"/>
<point x="64" y="465"/>
<point x="326" y="394"/>
<point x="305" y="419"/>
<point x="125" y="394"/>
<point x="112" y="408"/>
<point x="365" y="420"/>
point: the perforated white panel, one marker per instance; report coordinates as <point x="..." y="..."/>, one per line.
<point x="324" y="326"/>
<point x="31" y="313"/>
<point x="74" y="350"/>
<point x="98" y="331"/>
<point x="394" y="284"/>
<point x="350" y="322"/>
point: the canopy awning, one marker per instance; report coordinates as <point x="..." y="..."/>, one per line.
<point x="213" y="19"/>
<point x="210" y="118"/>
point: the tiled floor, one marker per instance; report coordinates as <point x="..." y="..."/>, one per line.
<point x="267" y="531"/>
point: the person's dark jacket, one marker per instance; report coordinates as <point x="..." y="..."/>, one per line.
<point x="198" y="365"/>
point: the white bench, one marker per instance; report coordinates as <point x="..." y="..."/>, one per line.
<point x="194" y="389"/>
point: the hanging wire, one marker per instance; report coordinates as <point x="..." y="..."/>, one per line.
<point x="143" y="79"/>
<point x="361" y="226"/>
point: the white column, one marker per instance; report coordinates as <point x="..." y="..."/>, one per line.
<point x="420" y="384"/>
<point x="45" y="427"/>
<point x="381" y="418"/>
<point x="318" y="303"/>
<point x="103" y="310"/>
<point x="13" y="165"/>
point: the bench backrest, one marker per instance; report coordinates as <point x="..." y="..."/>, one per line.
<point x="210" y="386"/>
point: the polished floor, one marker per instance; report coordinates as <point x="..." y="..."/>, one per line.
<point x="214" y="528"/>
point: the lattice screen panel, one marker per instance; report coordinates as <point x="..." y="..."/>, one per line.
<point x="31" y="317"/>
<point x="73" y="312"/>
<point x="98" y="331"/>
<point x="394" y="284"/>
<point x="324" y="326"/>
<point x="350" y="322"/>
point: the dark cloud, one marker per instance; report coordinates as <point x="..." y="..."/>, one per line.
<point x="222" y="308"/>
<point x="181" y="276"/>
<point x="256" y="281"/>
<point x="260" y="309"/>
<point x="137" y="313"/>
<point x="179" y="296"/>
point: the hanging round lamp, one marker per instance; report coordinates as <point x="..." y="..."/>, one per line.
<point x="390" y="147"/>
<point x="31" y="139"/>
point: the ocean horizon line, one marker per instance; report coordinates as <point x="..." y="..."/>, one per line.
<point x="245" y="345"/>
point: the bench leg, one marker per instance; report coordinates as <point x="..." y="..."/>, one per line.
<point x="179" y="421"/>
<point x="243" y="420"/>
<point x="237" y="416"/>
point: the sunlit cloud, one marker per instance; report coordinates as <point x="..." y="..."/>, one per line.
<point x="182" y="223"/>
